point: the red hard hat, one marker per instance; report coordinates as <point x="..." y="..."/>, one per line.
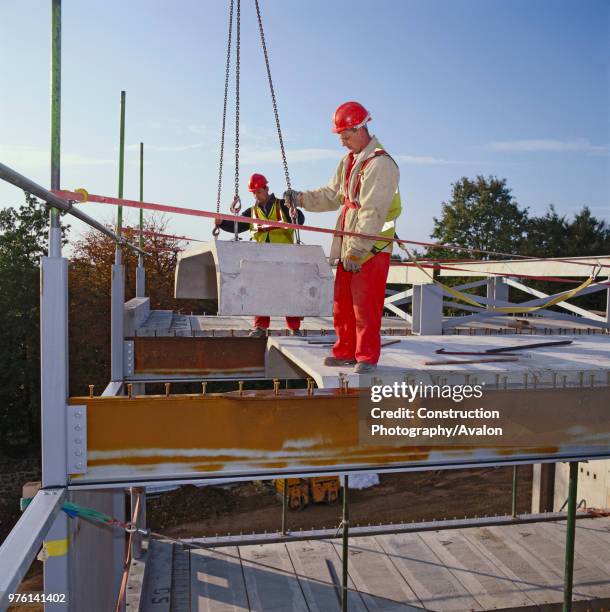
<point x="257" y="181"/>
<point x="350" y="115"/>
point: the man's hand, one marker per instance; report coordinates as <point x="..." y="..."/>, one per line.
<point x="217" y="221"/>
<point x="293" y="199"/>
<point x="352" y="262"/>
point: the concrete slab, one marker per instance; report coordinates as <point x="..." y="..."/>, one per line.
<point x="586" y="362"/>
<point x="318" y="569"/>
<point x="433" y="583"/>
<point x="217" y="581"/>
<point x="248" y="278"/>
<point x="515" y="567"/>
<point x="379" y="583"/>
<point x="487" y="583"/>
<point x="270" y="579"/>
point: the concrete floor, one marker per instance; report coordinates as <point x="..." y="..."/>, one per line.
<point x="516" y="567"/>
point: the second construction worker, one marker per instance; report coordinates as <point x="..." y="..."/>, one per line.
<point x="365" y="189"/>
<point x="266" y="208"/>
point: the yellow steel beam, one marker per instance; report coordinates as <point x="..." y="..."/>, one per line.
<point x="261" y="432"/>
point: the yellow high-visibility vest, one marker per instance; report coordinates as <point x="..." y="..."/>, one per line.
<point x="275" y="234"/>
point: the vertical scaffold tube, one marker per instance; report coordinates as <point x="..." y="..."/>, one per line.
<point x="284" y="506"/>
<point x="344" y="558"/>
<point x="514" y="503"/>
<point x="568" y="577"/>
<point x="121" y="163"/>
<point x="140" y="274"/>
<point x="54" y="219"/>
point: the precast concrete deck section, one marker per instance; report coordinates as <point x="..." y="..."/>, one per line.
<point x="249" y="278"/>
<point x="516" y="567"/>
<point x="584" y="363"/>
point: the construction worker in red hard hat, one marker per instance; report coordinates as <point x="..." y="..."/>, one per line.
<point x="365" y="189"/>
<point x="266" y="208"/>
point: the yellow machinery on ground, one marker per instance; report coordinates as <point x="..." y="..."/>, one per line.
<point x="303" y="491"/>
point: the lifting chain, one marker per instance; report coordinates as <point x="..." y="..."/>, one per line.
<point x="291" y="205"/>
<point x="216" y="229"/>
<point x="236" y="204"/>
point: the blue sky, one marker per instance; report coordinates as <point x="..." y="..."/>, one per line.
<point x="517" y="89"/>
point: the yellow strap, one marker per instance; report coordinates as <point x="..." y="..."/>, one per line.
<point x="566" y="295"/>
<point x="55" y="548"/>
<point x="560" y="297"/>
<point x="83" y="192"/>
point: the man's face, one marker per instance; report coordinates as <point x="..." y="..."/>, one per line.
<point x="354" y="139"/>
<point x="261" y="195"/>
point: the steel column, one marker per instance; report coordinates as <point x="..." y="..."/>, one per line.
<point x="54" y="369"/>
<point x="117" y="306"/>
<point x="54" y="396"/>
<point x="568" y="577"/>
<point x="117" y="303"/>
<point x="427" y="310"/>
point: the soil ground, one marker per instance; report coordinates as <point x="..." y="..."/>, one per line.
<point x="405" y="497"/>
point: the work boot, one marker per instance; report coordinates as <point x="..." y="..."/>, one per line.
<point x="364" y="367"/>
<point x="258" y="332"/>
<point x="296" y="332"/>
<point x="333" y="362"/>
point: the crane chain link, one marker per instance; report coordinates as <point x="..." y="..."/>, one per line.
<point x="236" y="205"/>
<point x="216" y="229"/>
<point x="291" y="205"/>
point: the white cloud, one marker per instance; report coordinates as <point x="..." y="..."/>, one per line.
<point x="21" y="156"/>
<point x="580" y="145"/>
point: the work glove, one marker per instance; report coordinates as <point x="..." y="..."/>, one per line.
<point x="293" y="199"/>
<point x="352" y="262"/>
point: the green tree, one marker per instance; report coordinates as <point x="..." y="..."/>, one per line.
<point x="23" y="240"/>
<point x="546" y="236"/>
<point x="90" y="277"/>
<point x="481" y="214"/>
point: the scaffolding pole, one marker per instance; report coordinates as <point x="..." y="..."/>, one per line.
<point x="344" y="557"/>
<point x="568" y="577"/>
<point x="140" y="272"/>
<point x="117" y="303"/>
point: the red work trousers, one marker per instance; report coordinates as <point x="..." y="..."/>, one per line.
<point x="357" y="309"/>
<point x="291" y="322"/>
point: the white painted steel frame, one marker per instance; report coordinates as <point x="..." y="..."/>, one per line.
<point x="25" y="540"/>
